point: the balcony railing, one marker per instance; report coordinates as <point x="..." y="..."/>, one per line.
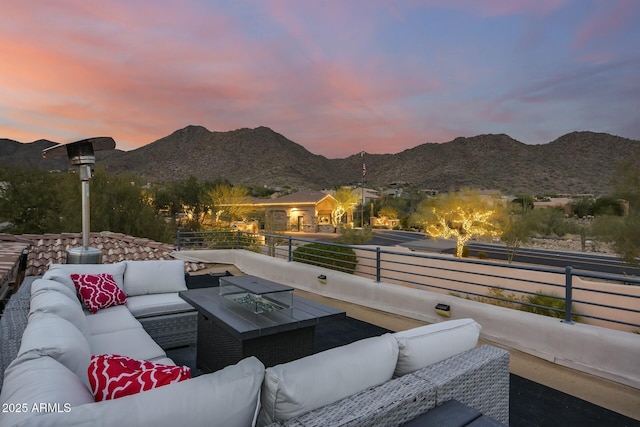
<point x="567" y="293"/>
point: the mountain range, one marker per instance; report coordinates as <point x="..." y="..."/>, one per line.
<point x="578" y="162"/>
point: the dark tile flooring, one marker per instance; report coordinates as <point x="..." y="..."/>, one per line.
<point x="531" y="404"/>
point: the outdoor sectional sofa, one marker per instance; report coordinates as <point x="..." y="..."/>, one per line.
<point x="385" y="380"/>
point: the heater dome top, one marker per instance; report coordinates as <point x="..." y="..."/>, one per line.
<point x="81" y="152"/>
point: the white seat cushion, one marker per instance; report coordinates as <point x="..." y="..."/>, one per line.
<point x="111" y="319"/>
<point x="134" y="343"/>
<point x="426" y="345"/>
<point x="228" y="398"/>
<point x="157" y="304"/>
<point x="154" y="277"/>
<point x="63" y="272"/>
<point x="164" y="361"/>
<point x="297" y="387"/>
<point x="32" y="379"/>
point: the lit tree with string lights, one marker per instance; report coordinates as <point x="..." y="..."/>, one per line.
<point x="462" y="215"/>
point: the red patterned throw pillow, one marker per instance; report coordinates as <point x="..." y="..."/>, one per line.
<point x="112" y="376"/>
<point x="98" y="291"/>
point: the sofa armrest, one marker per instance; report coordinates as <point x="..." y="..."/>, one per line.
<point x="228" y="397"/>
<point x="479" y="378"/>
<point x="392" y="403"/>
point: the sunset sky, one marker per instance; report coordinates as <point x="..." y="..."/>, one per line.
<point x="337" y="77"/>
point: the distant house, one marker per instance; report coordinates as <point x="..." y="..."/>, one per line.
<point x="308" y="211"/>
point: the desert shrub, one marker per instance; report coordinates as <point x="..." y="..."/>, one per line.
<point x="498" y="296"/>
<point x="550" y="304"/>
<point x="354" y="236"/>
<point x="340" y="258"/>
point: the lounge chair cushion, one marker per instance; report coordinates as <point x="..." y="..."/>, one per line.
<point x="63" y="272"/>
<point x="228" y="397"/>
<point x="50" y="335"/>
<point x="154" y="277"/>
<point x="60" y="304"/>
<point x="426" y="345"/>
<point x="297" y="387"/>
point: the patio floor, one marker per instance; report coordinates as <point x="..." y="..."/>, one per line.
<point x="541" y="393"/>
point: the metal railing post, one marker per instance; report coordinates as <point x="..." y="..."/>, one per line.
<point x="568" y="298"/>
<point x="378" y="264"/>
<point x="179" y="243"/>
<point x="290" y="249"/>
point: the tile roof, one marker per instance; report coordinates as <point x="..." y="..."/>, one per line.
<point x="10" y="252"/>
<point x="302" y="197"/>
<point x="47" y="249"/>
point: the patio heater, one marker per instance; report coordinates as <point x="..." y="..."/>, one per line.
<point x="81" y="154"/>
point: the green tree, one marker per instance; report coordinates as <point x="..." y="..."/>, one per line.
<point x="626" y="182"/>
<point x="552" y="221"/>
<point x="462" y="215"/>
<point x="30" y="201"/>
<point x="583" y="207"/>
<point x="523" y="202"/>
<point x="388" y="212"/>
<point x="35" y="201"/>
<point x="517" y="230"/>
<point x="193" y="196"/>
<point x="232" y="201"/>
<point x="624" y="231"/>
<point x="607" y="206"/>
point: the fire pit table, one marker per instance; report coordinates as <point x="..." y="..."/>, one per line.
<point x="250" y="316"/>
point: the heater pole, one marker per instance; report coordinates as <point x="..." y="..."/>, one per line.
<point x="85" y="211"/>
<point x="81" y="154"/>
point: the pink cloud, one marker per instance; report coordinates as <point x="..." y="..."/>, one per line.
<point x="497" y="7"/>
<point x="610" y="18"/>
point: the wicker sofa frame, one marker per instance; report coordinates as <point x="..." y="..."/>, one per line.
<point x="478" y="378"/>
<point x="168" y="330"/>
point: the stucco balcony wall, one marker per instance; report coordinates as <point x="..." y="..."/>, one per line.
<point x="603" y="352"/>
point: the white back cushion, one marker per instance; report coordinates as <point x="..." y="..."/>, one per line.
<point x="50" y="335"/>
<point x="60" y="304"/>
<point x="297" y="387"/>
<point x="63" y="272"/>
<point x="154" y="277"/>
<point x="45" y="285"/>
<point x="228" y="398"/>
<point x="425" y="345"/>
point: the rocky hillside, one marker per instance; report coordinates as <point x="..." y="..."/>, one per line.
<point x="579" y="162"/>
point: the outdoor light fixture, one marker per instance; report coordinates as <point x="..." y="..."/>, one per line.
<point x="322" y="279"/>
<point x="81" y="154"/>
<point x="443" y="310"/>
